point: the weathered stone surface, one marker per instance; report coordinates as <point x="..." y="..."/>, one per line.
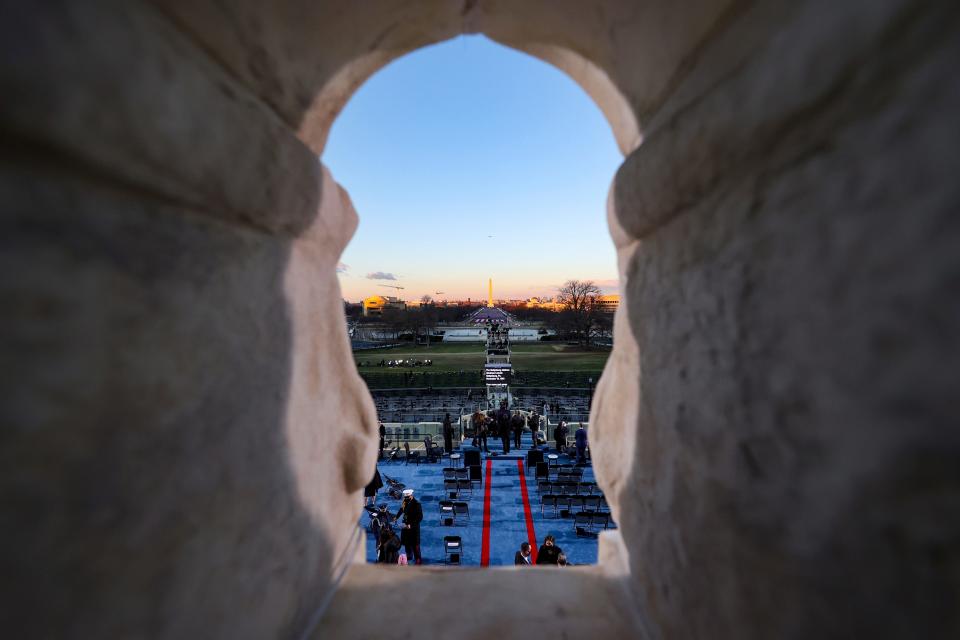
<point x="113" y="88"/>
<point x="185" y="435"/>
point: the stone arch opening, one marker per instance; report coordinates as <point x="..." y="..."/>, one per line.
<point x="786" y="385"/>
<point x="541" y="216"/>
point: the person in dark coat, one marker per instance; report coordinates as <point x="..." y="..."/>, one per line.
<point x="560" y="435"/>
<point x="549" y="552"/>
<point x="448" y="434"/>
<point x="503" y="425"/>
<point x="522" y="557"/>
<point x="370" y="492"/>
<point x="389" y="546"/>
<point x="383" y="436"/>
<point x="412" y="513"/>
<point x="581" y="441"/>
<point x="517" y="424"/>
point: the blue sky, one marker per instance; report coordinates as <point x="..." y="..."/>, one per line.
<point x="464" y="140"/>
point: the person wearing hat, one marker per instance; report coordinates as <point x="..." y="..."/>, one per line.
<point x="410" y="532"/>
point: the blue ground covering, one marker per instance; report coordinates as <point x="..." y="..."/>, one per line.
<point x="508" y="526"/>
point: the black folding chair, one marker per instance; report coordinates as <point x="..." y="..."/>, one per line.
<point x="543" y="471"/>
<point x="447" y="511"/>
<point x="548" y="500"/>
<point x="450" y="488"/>
<point x="452" y="549"/>
<point x="461" y="508"/>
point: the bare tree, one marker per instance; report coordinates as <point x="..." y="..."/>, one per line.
<point x="425" y="300"/>
<point x="577" y="297"/>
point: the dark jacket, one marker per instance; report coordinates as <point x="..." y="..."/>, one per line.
<point x="560" y="435"/>
<point x="389" y="549"/>
<point x="412" y="515"/>
<point x="447" y="429"/>
<point x="517" y="422"/>
<point x="581" y="437"/>
<point x="519" y="559"/>
<point x="548" y="555"/>
<point x="503" y="423"/>
<point x="374" y="486"/>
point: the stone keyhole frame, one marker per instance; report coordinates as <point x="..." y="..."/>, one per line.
<point x="612" y="441"/>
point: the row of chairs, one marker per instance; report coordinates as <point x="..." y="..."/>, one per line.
<point x="568" y="488"/>
<point x="587" y="521"/>
<point x="583" y="503"/>
<point x="453" y="508"/>
<point x="555" y="471"/>
<point x="458" y="488"/>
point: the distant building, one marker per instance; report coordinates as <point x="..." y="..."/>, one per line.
<point x="607" y="304"/>
<point x="544" y="303"/>
<point x="375" y="305"/>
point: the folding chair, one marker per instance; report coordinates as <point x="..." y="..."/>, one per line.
<point x="534" y="456"/>
<point x="449" y="473"/>
<point x="447" y="511"/>
<point x="582" y="522"/>
<point x="548" y="500"/>
<point x="476" y="475"/>
<point x="464" y="486"/>
<point x="461" y="508"/>
<point x="543" y="471"/>
<point x="591" y="503"/>
<point x="568" y="488"/>
<point x="452" y="549"/>
<point x="544" y="486"/>
<point x="575" y="502"/>
<point x="601" y="519"/>
<point x="450" y="488"/>
<point x="411" y="455"/>
<point x="461" y="474"/>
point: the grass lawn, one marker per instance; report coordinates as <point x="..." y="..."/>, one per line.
<point x="470" y="357"/>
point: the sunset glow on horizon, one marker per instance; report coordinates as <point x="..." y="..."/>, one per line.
<point x="467" y="161"/>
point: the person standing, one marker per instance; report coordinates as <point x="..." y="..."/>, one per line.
<point x="484" y="431"/>
<point x="581" y="441"/>
<point x="503" y="425"/>
<point x="448" y="434"/>
<point x="383" y="436"/>
<point x="370" y="492"/>
<point x="549" y="552"/>
<point x="560" y="436"/>
<point x="534" y="423"/>
<point x="475" y="421"/>
<point x="412" y="513"/>
<point x="517" y="424"/>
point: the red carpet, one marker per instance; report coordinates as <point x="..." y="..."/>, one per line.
<point x="531" y="533"/>
<point x="485" y="541"/>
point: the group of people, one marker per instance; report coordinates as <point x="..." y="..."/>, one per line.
<point x="579" y="437"/>
<point x="502" y="424"/>
<point x="549" y="553"/>
<point x="389" y="544"/>
<point x="381" y="525"/>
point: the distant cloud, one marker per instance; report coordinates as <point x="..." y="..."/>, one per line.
<point x="381" y="275"/>
<point x="342" y="268"/>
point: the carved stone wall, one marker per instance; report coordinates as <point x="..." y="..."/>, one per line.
<point x="185" y="436"/>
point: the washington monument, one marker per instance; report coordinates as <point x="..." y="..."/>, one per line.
<point x="490" y="293"/>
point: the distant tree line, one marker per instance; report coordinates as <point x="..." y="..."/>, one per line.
<point x="582" y="320"/>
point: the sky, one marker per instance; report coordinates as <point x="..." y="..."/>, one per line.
<point x="466" y="161"/>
